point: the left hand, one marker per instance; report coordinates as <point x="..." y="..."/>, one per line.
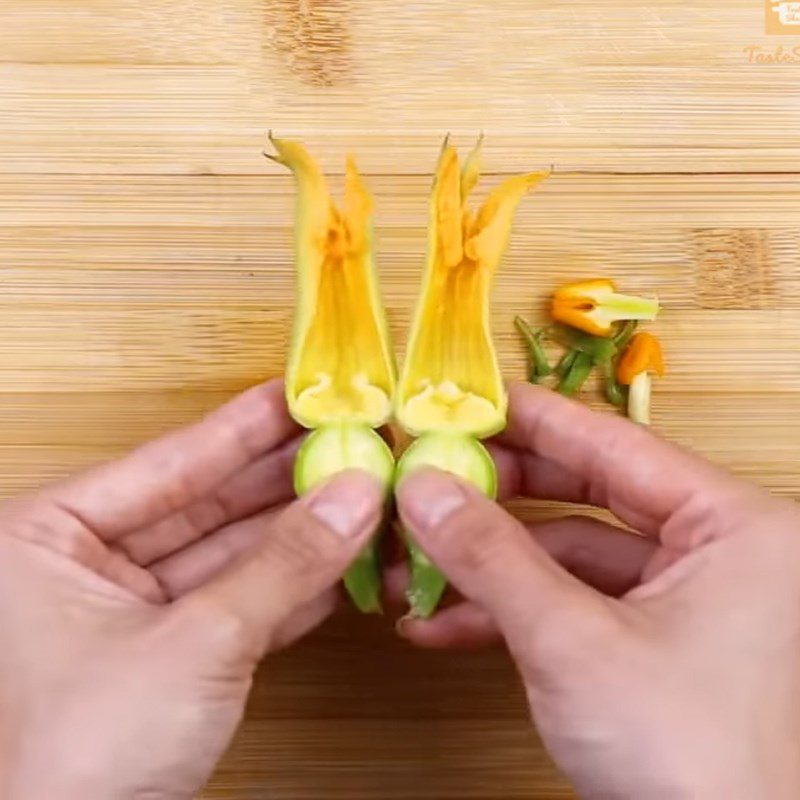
<point x="137" y="599"/>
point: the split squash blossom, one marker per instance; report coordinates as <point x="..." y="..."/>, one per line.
<point x="451" y="392"/>
<point x="340" y="379"/>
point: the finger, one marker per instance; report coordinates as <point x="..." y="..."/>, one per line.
<point x="117" y="568"/>
<point x="304" y="551"/>
<point x="264" y="483"/>
<point x="191" y="567"/>
<point x="522" y="473"/>
<point x="627" y="469"/>
<point x="460" y="626"/>
<point x="607" y="558"/>
<point x="166" y="475"/>
<point x="395" y="583"/>
<point x="185" y="571"/>
<point x="489" y="556"/>
<point x="305" y="619"/>
<point x="464" y="626"/>
<point x="54" y="531"/>
<point x="396" y="579"/>
<point x="662" y="559"/>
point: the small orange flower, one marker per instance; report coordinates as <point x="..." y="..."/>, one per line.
<point x="643" y="354"/>
<point x="641" y="358"/>
<point x="595" y="305"/>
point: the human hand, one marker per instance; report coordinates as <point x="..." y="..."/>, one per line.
<point x="688" y="684"/>
<point x="136" y="600"/>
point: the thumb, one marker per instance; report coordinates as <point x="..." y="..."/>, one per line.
<point x="304" y="551"/>
<point x="492" y="559"/>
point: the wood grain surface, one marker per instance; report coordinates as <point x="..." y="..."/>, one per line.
<point x="146" y="273"/>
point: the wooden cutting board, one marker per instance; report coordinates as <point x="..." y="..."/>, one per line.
<point x="146" y="274"/>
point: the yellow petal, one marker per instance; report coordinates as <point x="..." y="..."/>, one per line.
<point x="492" y="227"/>
<point x="341" y="367"/>
<point x="358" y="207"/>
<point x="446" y="206"/>
<point x="471" y="170"/>
<point x="436" y="408"/>
<point x="314" y="208"/>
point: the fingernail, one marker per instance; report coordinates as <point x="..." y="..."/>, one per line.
<point x="428" y="497"/>
<point x="401" y="626"/>
<point x="348" y="503"/>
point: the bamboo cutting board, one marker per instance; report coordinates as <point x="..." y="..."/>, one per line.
<point x="145" y="261"/>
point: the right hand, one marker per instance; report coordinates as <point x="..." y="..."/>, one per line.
<point x="686" y="685"/>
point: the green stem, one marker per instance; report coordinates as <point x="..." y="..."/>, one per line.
<point x="540" y="367"/>
<point x="624" y="334"/>
<point x="628" y="306"/>
<point x="463" y="457"/>
<point x="427" y="584"/>
<point x="565" y="363"/>
<point x="577" y="374"/>
<point x="615" y="394"/>
<point x="363" y="580"/>
<point x="599" y="348"/>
